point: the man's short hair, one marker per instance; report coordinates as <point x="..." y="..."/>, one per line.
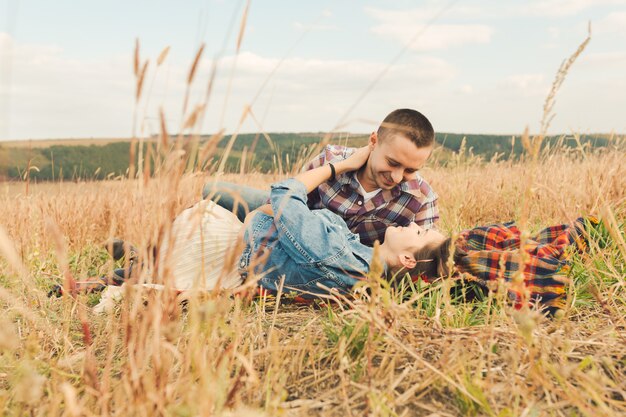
<point x="410" y="123"/>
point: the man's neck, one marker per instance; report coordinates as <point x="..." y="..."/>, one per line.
<point x="365" y="182"/>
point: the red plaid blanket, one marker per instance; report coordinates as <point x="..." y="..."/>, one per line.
<point x="494" y="255"/>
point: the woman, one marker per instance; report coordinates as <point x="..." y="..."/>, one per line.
<point x="310" y="249"/>
<point x="313" y="251"/>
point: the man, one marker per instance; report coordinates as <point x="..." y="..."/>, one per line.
<point x="386" y="191"/>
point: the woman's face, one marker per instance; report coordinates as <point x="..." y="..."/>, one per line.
<point x="411" y="238"/>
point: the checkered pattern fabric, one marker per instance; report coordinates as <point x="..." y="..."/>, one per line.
<point x="410" y="201"/>
<point x="494" y="255"/>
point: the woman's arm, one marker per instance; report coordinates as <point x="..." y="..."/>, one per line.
<point x="313" y="178"/>
<point x="303" y="235"/>
<point x="265" y="208"/>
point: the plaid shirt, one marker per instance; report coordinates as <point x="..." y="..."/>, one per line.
<point x="410" y="201"/>
<point x="493" y="254"/>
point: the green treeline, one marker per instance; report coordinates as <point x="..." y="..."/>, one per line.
<point x="488" y="145"/>
<point x="66" y="162"/>
<point x="277" y="151"/>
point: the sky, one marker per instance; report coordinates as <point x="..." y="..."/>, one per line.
<point x="471" y="66"/>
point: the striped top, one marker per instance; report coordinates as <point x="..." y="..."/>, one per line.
<point x="200" y="240"/>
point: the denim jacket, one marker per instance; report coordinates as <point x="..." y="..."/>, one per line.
<point x="306" y="247"/>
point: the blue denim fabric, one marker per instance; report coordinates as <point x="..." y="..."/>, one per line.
<point x="306" y="247"/>
<point x="229" y="195"/>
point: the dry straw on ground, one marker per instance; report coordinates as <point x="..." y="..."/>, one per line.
<point x="431" y="355"/>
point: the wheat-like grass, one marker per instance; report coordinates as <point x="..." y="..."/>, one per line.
<point x="385" y="356"/>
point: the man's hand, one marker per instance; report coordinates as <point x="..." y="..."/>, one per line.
<point x="355" y="161"/>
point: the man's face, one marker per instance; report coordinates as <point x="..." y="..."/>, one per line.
<point x="393" y="160"/>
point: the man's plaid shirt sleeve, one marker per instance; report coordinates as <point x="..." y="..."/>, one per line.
<point x="316" y="162"/>
<point x="428" y="214"/>
<point x="330" y="153"/>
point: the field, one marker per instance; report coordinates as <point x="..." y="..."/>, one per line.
<point x="423" y="351"/>
<point x="440" y="349"/>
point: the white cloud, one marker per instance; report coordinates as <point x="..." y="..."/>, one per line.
<point x="563" y="7"/>
<point x="319" y="27"/>
<point x="554" y="32"/>
<point x="312" y="94"/>
<point x="339" y="73"/>
<point x="524" y="85"/>
<point x="489" y="10"/>
<point x="52" y="95"/>
<point x="404" y="25"/>
<point x="466" y="89"/>
<point x="436" y="36"/>
<point x="604" y="60"/>
<point x="428" y="12"/>
<point x="5" y="40"/>
<point x="613" y="23"/>
<point x="402" y="17"/>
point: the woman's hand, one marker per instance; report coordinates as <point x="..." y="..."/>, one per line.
<point x="313" y="178"/>
<point x="355" y="161"/>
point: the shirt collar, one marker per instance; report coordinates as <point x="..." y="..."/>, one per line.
<point x="349" y="178"/>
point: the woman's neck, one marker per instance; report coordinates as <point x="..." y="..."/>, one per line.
<point x="385" y="257"/>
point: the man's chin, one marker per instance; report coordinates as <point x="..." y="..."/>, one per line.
<point x="386" y="186"/>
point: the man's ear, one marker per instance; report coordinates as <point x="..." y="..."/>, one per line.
<point x="407" y="260"/>
<point x="373" y="140"/>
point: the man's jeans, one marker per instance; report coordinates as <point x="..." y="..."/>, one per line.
<point x="236" y="198"/>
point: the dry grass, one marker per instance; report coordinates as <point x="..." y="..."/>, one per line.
<point x="427" y="355"/>
<point x="420" y="351"/>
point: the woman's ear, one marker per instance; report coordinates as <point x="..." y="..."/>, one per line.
<point x="407" y="260"/>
